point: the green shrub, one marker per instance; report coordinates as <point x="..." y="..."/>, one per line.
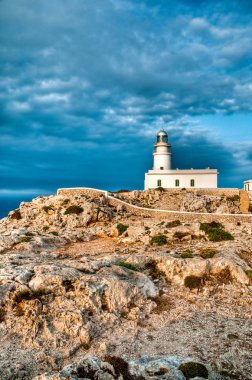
<point x="16" y="214"/>
<point x="233" y="198"/>
<point x="193" y="369"/>
<point x="55" y="233"/>
<point x="28" y="233"/>
<point x="187" y="254"/>
<point x="74" y="209"/>
<point x="47" y="208"/>
<point x="249" y="273"/>
<point x="219" y="235"/>
<point x="26" y="295"/>
<point x="128" y="266"/>
<point x="65" y="201"/>
<point x="174" y="223"/>
<point x="160" y="188"/>
<point x="120" y="366"/>
<point x="209" y="226"/>
<point x="153" y="270"/>
<point x="159" y="239"/>
<point x="121" y="228"/>
<point x="24" y="239"/>
<point x="2" y="314"/>
<point x="193" y="282"/>
<point x="180" y="235"/>
<point x="250" y="208"/>
<point x="22" y="295"/>
<point x="207" y="253"/>
<point x="45" y="228"/>
<point x="215" y="231"/>
<point x="122" y="191"/>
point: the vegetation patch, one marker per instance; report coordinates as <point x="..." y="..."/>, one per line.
<point x="24" y="239"/>
<point x="2" y="314"/>
<point x="249" y="274"/>
<point x="28" y="233"/>
<point x="153" y="270"/>
<point x="27" y="295"/>
<point x="122" y="191"/>
<point x="121" y="367"/>
<point x="207" y="253"/>
<point x="193" y="282"/>
<point x="55" y="233"/>
<point x="159" y="239"/>
<point x="193" y="369"/>
<point x="163" y="304"/>
<point x="45" y="228"/>
<point x="179" y="235"/>
<point x="224" y="276"/>
<point x="215" y="231"/>
<point x="233" y="198"/>
<point x="65" y="202"/>
<point x="22" y="295"/>
<point x="74" y="209"/>
<point x="121" y="228"/>
<point x="160" y="188"/>
<point x="187" y="254"/>
<point x="250" y="208"/>
<point x="16" y="214"/>
<point x="246" y="256"/>
<point x="47" y="208"/>
<point x="174" y="223"/>
<point x="128" y="266"/>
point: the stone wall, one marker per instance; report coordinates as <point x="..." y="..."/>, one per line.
<point x="162" y="214"/>
<point x="81" y="191"/>
<point x="182" y="216"/>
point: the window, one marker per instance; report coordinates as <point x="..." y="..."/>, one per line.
<point x="192" y="182"/>
<point x="159" y="183"/>
<point x="177" y="182"/>
<point x="161" y="168"/>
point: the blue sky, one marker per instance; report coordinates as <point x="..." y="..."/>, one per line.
<point x="85" y="86"/>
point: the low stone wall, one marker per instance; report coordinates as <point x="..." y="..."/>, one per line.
<point x="81" y="191"/>
<point x="181" y="215"/>
<point x="160" y="214"/>
<point x="214" y="192"/>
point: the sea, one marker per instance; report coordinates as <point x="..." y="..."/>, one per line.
<point x="9" y="203"/>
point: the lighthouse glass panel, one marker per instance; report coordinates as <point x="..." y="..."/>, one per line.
<point x="164" y="139"/>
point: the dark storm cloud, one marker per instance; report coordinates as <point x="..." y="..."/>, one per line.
<point x="85" y="85"/>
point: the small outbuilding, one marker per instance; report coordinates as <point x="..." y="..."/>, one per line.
<point x="247" y="185"/>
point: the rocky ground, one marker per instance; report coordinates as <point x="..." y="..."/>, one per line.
<point x="89" y="291"/>
<point x="183" y="200"/>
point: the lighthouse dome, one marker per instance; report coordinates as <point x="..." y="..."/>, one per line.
<point x="162" y="136"/>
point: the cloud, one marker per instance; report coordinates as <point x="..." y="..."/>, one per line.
<point x="86" y="84"/>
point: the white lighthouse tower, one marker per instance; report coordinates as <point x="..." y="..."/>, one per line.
<point x="162" y="174"/>
<point x="162" y="152"/>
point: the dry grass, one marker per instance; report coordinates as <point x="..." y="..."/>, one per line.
<point x="246" y="256"/>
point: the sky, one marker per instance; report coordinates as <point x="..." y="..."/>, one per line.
<point x="86" y="84"/>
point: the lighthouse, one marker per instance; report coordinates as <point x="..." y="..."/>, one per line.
<point x="162" y="152"/>
<point x="162" y="174"/>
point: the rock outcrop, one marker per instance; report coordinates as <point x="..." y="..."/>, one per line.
<point x="90" y="291"/>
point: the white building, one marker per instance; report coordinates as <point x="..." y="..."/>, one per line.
<point x="248" y="185"/>
<point x="162" y="174"/>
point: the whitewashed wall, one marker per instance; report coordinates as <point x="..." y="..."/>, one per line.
<point x="202" y="179"/>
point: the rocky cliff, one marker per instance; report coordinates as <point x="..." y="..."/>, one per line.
<point x="90" y="291"/>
